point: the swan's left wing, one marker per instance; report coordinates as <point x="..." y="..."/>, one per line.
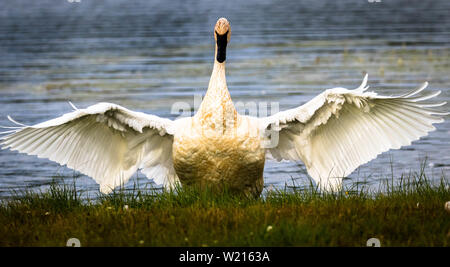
<point x="105" y="141"/>
<point x="341" y="129"/>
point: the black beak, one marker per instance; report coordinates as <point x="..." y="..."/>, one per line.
<point x="221" y="47"/>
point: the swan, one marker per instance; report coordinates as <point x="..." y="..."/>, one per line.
<point x="332" y="134"/>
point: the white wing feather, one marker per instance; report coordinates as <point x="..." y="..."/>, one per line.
<point x="341" y="129"/>
<point x="104" y="141"/>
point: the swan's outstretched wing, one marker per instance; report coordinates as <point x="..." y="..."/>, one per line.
<point x="341" y="129"/>
<point x="104" y="141"/>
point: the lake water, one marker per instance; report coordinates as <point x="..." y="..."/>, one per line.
<point x="147" y="55"/>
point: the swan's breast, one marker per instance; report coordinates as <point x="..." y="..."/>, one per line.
<point x="202" y="154"/>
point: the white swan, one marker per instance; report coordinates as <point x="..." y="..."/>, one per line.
<point x="332" y="134"/>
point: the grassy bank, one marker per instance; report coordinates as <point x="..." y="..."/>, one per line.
<point x="410" y="213"/>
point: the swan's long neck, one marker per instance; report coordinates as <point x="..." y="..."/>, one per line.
<point x="217" y="110"/>
<point x="217" y="88"/>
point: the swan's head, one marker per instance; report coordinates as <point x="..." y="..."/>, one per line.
<point x="222" y="33"/>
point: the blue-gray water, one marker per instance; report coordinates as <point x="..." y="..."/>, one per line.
<point x="147" y="55"/>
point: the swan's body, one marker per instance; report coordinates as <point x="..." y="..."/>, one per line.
<point x="332" y="134"/>
<point x="219" y="146"/>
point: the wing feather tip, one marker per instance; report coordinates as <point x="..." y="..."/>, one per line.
<point x="8" y="132"/>
<point x="15" y="122"/>
<point x="72" y="105"/>
<point x="363" y="87"/>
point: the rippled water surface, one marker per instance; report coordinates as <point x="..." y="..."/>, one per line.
<point x="147" y="55"/>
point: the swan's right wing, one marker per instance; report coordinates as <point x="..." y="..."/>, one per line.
<point x="104" y="141"/>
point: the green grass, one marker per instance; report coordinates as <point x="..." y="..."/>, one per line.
<point x="409" y="213"/>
